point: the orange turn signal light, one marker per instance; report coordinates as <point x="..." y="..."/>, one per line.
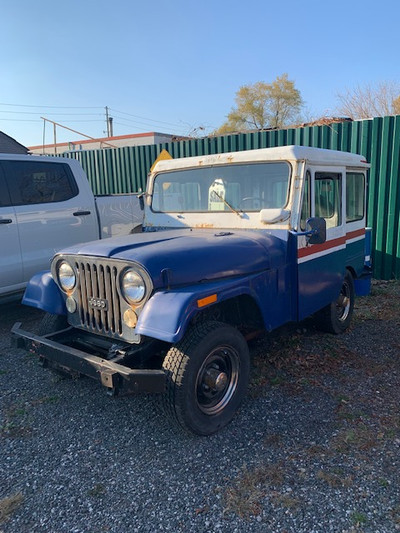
<point x="205" y="301"/>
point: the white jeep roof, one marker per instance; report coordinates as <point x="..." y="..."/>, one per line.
<point x="318" y="156"/>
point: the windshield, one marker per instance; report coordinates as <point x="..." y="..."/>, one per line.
<point x="244" y="187"/>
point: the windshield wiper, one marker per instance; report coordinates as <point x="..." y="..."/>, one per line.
<point x="237" y="211"/>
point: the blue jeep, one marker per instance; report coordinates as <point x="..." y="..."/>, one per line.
<point x="231" y="244"/>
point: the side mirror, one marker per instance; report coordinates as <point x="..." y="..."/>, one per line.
<point x="316" y="230"/>
<point x="140" y="197"/>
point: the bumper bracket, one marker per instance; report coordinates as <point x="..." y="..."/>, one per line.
<point x="115" y="377"/>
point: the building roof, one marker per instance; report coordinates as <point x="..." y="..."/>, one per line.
<point x="8" y="145"/>
<point x="105" y="140"/>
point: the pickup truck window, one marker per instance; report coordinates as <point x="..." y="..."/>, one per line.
<point x="328" y="187"/>
<point x="36" y="182"/>
<point x="245" y="187"/>
<point x="4" y="195"/>
<point x="355" y="203"/>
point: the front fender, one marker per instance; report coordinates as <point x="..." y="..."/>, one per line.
<point x="43" y="293"/>
<point x="167" y="314"/>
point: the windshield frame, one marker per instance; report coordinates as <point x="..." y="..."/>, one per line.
<point x="234" y="207"/>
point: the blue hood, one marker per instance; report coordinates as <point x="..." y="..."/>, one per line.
<point x="192" y="256"/>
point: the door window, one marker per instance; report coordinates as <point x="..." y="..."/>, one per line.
<point x="37" y="182"/>
<point x="4" y="195"/>
<point x="306" y="208"/>
<point x="328" y="195"/>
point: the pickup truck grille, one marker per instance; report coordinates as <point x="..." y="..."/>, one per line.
<point x="99" y="301"/>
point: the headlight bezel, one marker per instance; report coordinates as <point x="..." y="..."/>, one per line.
<point x="67" y="288"/>
<point x="142" y="293"/>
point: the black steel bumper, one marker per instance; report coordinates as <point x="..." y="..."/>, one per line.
<point x="115" y="377"/>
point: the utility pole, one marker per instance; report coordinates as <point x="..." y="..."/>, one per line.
<point x="55" y="137"/>
<point x="109" y="121"/>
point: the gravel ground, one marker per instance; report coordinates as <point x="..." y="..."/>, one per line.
<point x="314" y="448"/>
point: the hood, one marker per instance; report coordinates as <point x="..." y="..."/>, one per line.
<point x="192" y="256"/>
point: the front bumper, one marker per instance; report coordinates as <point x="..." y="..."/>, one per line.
<point x="115" y="377"/>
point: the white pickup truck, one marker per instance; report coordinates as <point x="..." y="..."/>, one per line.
<point x="46" y="204"/>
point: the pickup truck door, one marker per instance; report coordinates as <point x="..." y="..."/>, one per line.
<point x="51" y="211"/>
<point x="321" y="267"/>
<point x="10" y="256"/>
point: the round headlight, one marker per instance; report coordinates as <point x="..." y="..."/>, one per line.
<point x="133" y="287"/>
<point x="66" y="276"/>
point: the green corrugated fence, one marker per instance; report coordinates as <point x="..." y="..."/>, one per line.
<point x="124" y="170"/>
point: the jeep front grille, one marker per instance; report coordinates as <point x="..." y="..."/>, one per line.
<point x="98" y="282"/>
<point x="100" y="305"/>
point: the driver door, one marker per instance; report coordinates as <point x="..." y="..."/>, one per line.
<point x="321" y="266"/>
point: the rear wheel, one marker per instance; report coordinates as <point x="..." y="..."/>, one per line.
<point x="336" y="317"/>
<point x="207" y="375"/>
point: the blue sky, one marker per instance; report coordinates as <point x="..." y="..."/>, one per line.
<point x="175" y="66"/>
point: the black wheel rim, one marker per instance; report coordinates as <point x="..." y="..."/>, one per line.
<point x="343" y="303"/>
<point x="217" y="380"/>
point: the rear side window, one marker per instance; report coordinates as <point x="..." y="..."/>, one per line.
<point x="39" y="182"/>
<point x="4" y="196"/>
<point x="355" y="198"/>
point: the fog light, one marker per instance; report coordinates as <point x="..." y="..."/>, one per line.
<point x="130" y="318"/>
<point x="70" y="305"/>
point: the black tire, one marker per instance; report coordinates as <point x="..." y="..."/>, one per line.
<point x="51" y="323"/>
<point x="336" y="317"/>
<point x="207" y="376"/>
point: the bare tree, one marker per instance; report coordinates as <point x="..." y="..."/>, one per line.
<point x="370" y="101"/>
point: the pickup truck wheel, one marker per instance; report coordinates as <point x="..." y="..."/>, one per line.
<point x="336" y="317"/>
<point x="207" y="375"/>
<point x="51" y="323"/>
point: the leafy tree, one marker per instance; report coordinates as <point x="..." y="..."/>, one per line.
<point x="264" y="105"/>
<point x="370" y="101"/>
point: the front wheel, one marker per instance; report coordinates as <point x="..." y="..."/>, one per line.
<point x="207" y="375"/>
<point x="336" y="317"/>
<point x="51" y="323"/>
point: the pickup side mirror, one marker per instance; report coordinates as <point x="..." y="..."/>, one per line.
<point x="316" y="230"/>
<point x="140" y="197"/>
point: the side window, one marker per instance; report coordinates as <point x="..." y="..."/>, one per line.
<point x="37" y="182"/>
<point x="328" y="194"/>
<point x="4" y="195"/>
<point x="306" y="207"/>
<point x="355" y="197"/>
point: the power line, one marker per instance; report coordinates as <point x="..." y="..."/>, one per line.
<point x="20" y="120"/>
<point x="140" y="128"/>
<point x="39" y="113"/>
<point x="137" y="128"/>
<point x="137" y="122"/>
<point x="52" y="106"/>
<point x="38" y="120"/>
<point x="151" y="121"/>
<point x="145" y="118"/>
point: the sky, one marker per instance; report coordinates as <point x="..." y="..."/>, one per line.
<point x="175" y="66"/>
